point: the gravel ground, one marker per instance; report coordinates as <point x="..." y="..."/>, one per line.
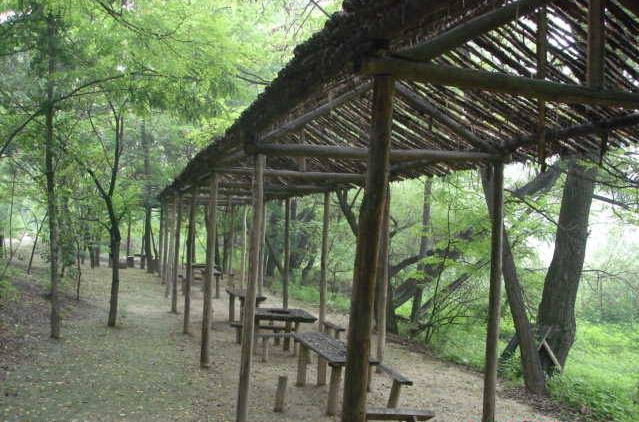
<point x="146" y="370"/>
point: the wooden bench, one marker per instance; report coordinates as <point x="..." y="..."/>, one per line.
<point x="238" y="330"/>
<point x="398" y="381"/>
<point x="336" y="329"/>
<point x="265" y="338"/>
<point x="407" y="415"/>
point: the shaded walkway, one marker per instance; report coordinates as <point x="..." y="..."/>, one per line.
<point x="146" y="370"/>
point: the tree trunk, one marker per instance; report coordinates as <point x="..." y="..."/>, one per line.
<point x="557" y="307"/>
<point x="115" y="272"/>
<point x="49" y="154"/>
<point x="423" y="248"/>
<point x="35" y="242"/>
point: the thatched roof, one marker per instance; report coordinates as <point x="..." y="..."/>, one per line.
<point x="326" y="67"/>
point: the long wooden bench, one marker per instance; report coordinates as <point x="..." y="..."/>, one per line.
<point x="407" y="415"/>
<point x="399" y="380"/>
<point x="265" y="338"/>
<point x="238" y="330"/>
<point x="336" y="329"/>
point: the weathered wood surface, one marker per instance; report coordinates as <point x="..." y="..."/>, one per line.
<point x="285" y="315"/>
<point x="408" y="415"/>
<point x="329" y="348"/>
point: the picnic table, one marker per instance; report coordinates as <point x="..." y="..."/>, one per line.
<point x="241" y="295"/>
<point x="291" y="317"/>
<point x="333" y="352"/>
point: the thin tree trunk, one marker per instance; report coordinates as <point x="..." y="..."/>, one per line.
<point x="35" y="242"/>
<point x="287" y="256"/>
<point x="49" y="153"/>
<point x="243" y="269"/>
<point x="115" y="272"/>
<point x="424" y="245"/>
<point x="190" y="245"/>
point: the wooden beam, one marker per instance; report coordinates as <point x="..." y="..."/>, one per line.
<point x="606" y="125"/>
<point x="367" y="253"/>
<point x="352" y="153"/>
<point x="423" y="106"/>
<point x="498" y="82"/>
<point x="248" y="323"/>
<point x="542" y="63"/>
<point x="315" y="176"/>
<point x="494" y="302"/>
<point x="160" y="242"/>
<point x="176" y="254"/>
<point x="460" y="34"/>
<point x="211" y="234"/>
<point x="299" y="122"/>
<point x="171" y="252"/>
<point x="596" y="44"/>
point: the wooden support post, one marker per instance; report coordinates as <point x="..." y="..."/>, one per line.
<point x="287" y="251"/>
<point x="231" y="308"/>
<point x="230" y="271"/>
<point x="248" y="323"/>
<point x="381" y="293"/>
<point x="302" y="365"/>
<point x="208" y="275"/>
<point x="324" y="261"/>
<point x="287" y="341"/>
<point x="542" y="59"/>
<point x="367" y="253"/>
<point x="190" y="246"/>
<point x="321" y="363"/>
<point x="496" y="182"/>
<point x="171" y="252"/>
<point x="333" y="390"/>
<point x="264" y="349"/>
<point x="243" y="269"/>
<point x="161" y="241"/>
<point x="176" y="255"/>
<point x="262" y="254"/>
<point x="280" y="394"/>
<point x="165" y="247"/>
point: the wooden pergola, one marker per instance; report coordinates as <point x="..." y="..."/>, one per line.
<point x="391" y="90"/>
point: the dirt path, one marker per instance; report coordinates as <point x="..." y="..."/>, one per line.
<point x="146" y="370"/>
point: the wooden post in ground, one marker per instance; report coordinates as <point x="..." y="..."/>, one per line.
<point x="496" y="182"/>
<point x="243" y="263"/>
<point x="230" y="271"/>
<point x="280" y="394"/>
<point x="165" y="249"/>
<point x="262" y="254"/>
<point x="596" y="43"/>
<point x="190" y="246"/>
<point x="176" y="256"/>
<point x="208" y="275"/>
<point x="159" y="268"/>
<point x="382" y="281"/>
<point x="321" y="363"/>
<point x="248" y="323"/>
<point x="168" y="276"/>
<point x="287" y="251"/>
<point x="367" y="253"/>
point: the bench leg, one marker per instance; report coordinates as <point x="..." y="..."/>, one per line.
<point x="370" y="378"/>
<point x="217" y="287"/>
<point x="276" y="340"/>
<point x="302" y="364"/>
<point x="295" y="345"/>
<point x="238" y="334"/>
<point x="333" y="390"/>
<point x="264" y="349"/>
<point x="231" y="308"/>
<point x="321" y="371"/>
<point x="337" y="334"/>
<point x="393" y="399"/>
<point x="287" y="341"/>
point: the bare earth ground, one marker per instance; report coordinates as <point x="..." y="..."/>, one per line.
<point x="147" y="370"/>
